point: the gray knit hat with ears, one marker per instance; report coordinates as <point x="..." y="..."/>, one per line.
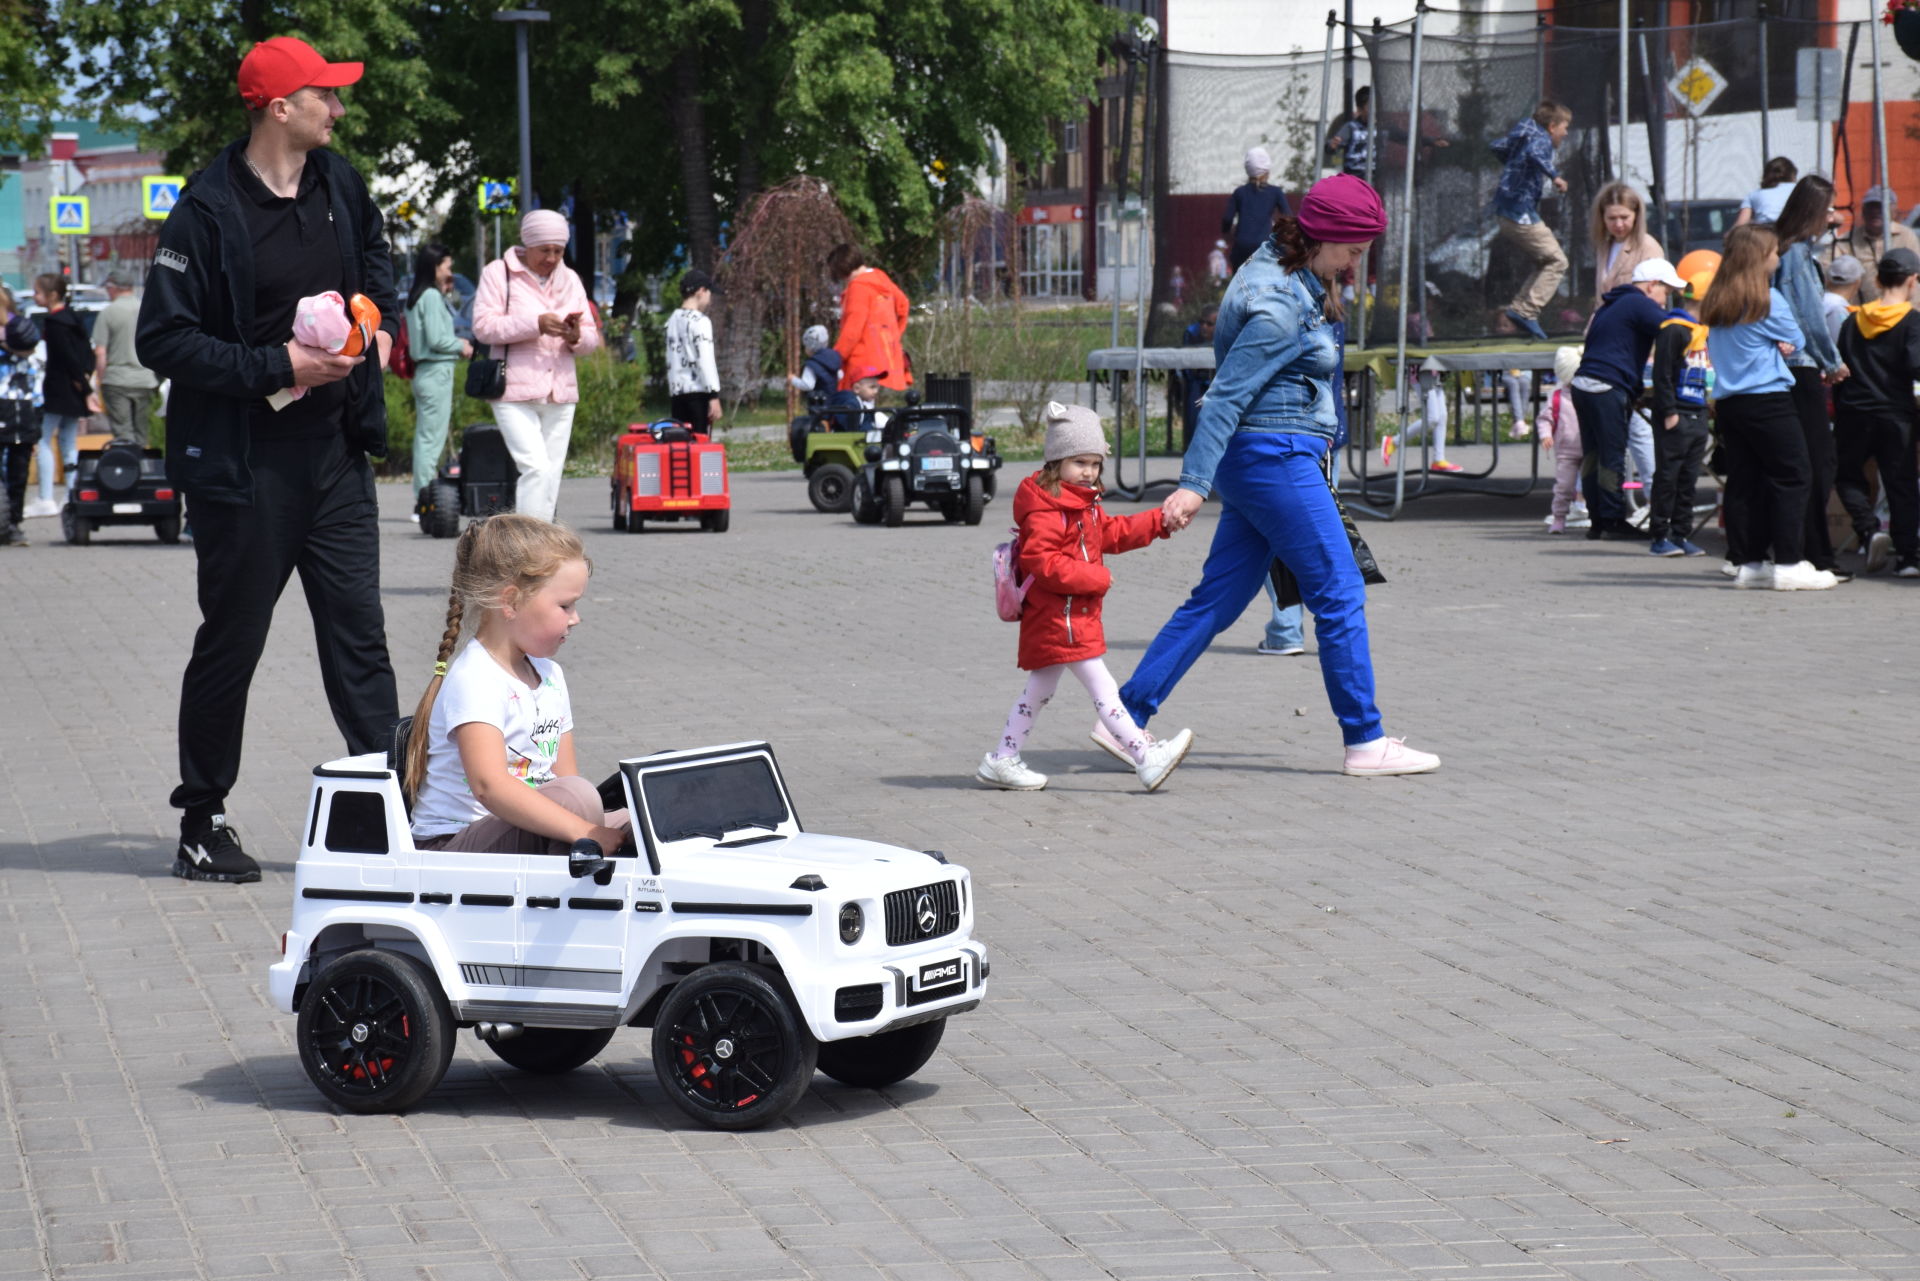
<point x="1073" y="430"/>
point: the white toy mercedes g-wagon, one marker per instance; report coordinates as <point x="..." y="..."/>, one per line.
<point x="755" y="951"/>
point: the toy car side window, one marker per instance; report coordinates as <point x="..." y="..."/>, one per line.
<point x="357" y="823"/>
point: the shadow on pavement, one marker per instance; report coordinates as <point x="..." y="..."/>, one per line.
<point x="117" y="855"/>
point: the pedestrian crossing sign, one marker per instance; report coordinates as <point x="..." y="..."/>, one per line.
<point x="69" y="216"/>
<point x="496" y="196"/>
<point x="158" y="193"/>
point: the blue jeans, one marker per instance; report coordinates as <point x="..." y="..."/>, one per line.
<point x="1603" y="438"/>
<point x="1286" y="630"/>
<point x="1274" y="502"/>
<point x="59" y="432"/>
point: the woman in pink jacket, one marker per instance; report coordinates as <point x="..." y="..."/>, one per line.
<point x="532" y="308"/>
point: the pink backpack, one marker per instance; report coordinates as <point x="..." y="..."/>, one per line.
<point x="1009" y="595"/>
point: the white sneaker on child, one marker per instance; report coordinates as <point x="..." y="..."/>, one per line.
<point x="1802" y="577"/>
<point x="1163" y="757"/>
<point x="1385" y="756"/>
<point x="1754" y="575"/>
<point x="1103" y="739"/>
<point x="1010" y="773"/>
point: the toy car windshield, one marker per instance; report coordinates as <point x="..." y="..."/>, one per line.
<point x="713" y="798"/>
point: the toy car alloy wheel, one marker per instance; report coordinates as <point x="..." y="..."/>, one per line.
<point x="729" y="1049"/>
<point x="375" y="1033"/>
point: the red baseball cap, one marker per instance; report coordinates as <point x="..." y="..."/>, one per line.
<point x="278" y="67"/>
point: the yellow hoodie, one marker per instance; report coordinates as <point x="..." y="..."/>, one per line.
<point x="1875" y="318"/>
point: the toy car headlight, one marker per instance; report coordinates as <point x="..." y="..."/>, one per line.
<point x="853" y="923"/>
<point x="966" y="447"/>
<point x="905" y="449"/>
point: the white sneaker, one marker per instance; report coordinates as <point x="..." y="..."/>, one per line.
<point x="1730" y="569"/>
<point x="1879" y="548"/>
<point x="1163" y="756"/>
<point x="1104" y="740"/>
<point x="1010" y="773"/>
<point x="1388" y="756"/>
<point x="1802" y="577"/>
<point x="1286" y="651"/>
<point x="41" y="507"/>
<point x="1755" y="574"/>
<point x="1578" y="516"/>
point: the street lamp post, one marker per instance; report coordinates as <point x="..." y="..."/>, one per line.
<point x="520" y="18"/>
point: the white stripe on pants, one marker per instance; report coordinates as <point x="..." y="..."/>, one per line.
<point x="536" y="433"/>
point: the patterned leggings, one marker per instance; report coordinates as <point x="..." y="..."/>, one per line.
<point x="1041" y="683"/>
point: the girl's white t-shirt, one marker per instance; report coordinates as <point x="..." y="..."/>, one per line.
<point x="476" y="689"/>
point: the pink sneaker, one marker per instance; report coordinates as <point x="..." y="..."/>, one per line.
<point x="1103" y="739"/>
<point x="1388" y="756"/>
<point x="1558" y="525"/>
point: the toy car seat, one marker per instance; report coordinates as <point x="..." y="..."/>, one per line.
<point x="397" y="758"/>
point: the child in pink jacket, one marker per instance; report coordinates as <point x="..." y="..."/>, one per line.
<point x="1560" y="431"/>
<point x="531" y="310"/>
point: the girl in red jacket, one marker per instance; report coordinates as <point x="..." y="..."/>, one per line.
<point x="1063" y="537"/>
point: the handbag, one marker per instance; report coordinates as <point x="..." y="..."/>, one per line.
<point x="487" y="375"/>
<point x="1287" y="588"/>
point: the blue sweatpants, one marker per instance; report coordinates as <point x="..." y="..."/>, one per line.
<point x="1274" y="502"/>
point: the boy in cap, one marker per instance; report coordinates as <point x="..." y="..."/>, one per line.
<point x="274" y="218"/>
<point x="1680" y="424"/>
<point x="693" y="379"/>
<point x="1842" y="294"/>
<point x="1874" y="416"/>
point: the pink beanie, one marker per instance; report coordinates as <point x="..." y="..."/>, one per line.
<point x="1342" y="210"/>
<point x="543" y="227"/>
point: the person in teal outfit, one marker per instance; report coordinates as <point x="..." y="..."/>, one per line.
<point x="435" y="348"/>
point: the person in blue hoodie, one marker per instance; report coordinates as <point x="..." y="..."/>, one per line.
<point x="1608" y="381"/>
<point x="1527" y="156"/>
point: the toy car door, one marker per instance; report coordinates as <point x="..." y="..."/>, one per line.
<point x="477" y="899"/>
<point x="573" y="931"/>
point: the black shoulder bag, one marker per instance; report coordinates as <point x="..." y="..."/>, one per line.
<point x="487" y="375"/>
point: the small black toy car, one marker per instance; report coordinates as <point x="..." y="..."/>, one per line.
<point x="925" y="454"/>
<point x="121" y="483"/>
<point x="480" y="481"/>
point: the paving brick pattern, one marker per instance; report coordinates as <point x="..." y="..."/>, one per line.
<point x="1627" y="991"/>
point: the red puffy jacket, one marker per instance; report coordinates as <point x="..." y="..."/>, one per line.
<point x="873" y="318"/>
<point x="1063" y="539"/>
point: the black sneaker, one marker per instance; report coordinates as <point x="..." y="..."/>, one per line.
<point x="213" y="853"/>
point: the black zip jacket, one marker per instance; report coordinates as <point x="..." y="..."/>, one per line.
<point x="1881" y="369"/>
<point x="1669" y="361"/>
<point x="69" y="376"/>
<point x="197" y="313"/>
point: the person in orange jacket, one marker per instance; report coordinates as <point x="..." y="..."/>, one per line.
<point x="873" y="316"/>
<point x="1064" y="537"/>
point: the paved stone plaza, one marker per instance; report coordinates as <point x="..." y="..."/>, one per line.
<point x="1626" y="990"/>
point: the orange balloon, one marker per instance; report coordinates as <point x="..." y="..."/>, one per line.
<point x="1696" y="262"/>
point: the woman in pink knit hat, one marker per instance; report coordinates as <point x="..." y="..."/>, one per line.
<point x="1262" y="441"/>
<point x="532" y="310"/>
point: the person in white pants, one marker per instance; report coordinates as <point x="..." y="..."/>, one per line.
<point x="532" y="309"/>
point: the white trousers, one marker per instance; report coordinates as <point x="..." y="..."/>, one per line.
<point x="536" y="433"/>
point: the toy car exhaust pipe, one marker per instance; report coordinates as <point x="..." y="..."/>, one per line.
<point x="497" y="1032"/>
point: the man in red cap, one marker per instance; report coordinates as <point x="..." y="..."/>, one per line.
<point x="276" y="485"/>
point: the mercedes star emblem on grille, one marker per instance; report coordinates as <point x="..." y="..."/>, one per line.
<point x="924" y="914"/>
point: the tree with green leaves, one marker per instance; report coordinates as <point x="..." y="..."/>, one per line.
<point x="29" y="52"/>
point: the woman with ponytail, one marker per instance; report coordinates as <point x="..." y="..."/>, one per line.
<point x="1262" y="440"/>
<point x="490" y="763"/>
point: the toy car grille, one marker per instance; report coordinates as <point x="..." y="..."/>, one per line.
<point x="711" y="479"/>
<point x="926" y="912"/>
<point x="646" y="475"/>
<point x="854" y="1004"/>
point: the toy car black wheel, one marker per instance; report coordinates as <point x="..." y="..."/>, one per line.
<point x="549" y="1051"/>
<point x="444" y="520"/>
<point x="621" y="509"/>
<point x="866" y="509"/>
<point x="77" y="528"/>
<point x="885" y="1058"/>
<point x="797" y="437"/>
<point x="716" y="522"/>
<point x="167" y="529"/>
<point x="893" y="501"/>
<point x="973" y="502"/>
<point x="729" y="1049"/>
<point x="375" y="1033"/>
<point x="830" y="488"/>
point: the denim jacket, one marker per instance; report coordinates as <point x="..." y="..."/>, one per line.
<point x="1799" y="279"/>
<point x="1275" y="354"/>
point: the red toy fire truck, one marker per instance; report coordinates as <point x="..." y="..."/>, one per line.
<point x="668" y="471"/>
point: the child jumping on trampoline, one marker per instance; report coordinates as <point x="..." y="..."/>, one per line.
<point x="1527" y="153"/>
<point x="1063" y="538"/>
